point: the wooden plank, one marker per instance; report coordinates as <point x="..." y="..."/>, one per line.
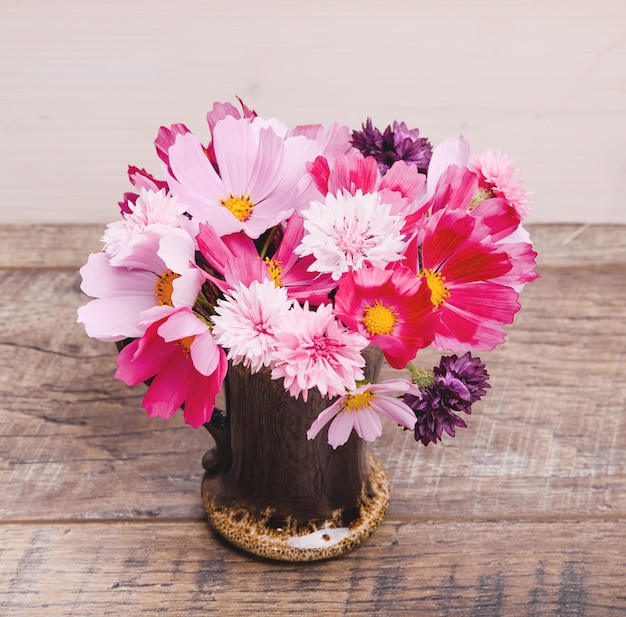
<point x="67" y="246"/>
<point x="549" y="436"/>
<point x="48" y="246"/>
<point x="453" y="567"/>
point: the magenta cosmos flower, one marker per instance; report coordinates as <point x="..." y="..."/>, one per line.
<point x="234" y="259"/>
<point x="459" y="264"/>
<point x="314" y="350"/>
<point x="255" y="186"/>
<point x="360" y="410"/>
<point x="391" y="308"/>
<point x="185" y="364"/>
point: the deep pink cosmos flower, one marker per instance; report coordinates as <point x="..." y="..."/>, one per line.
<point x="459" y="263"/>
<point x="391" y="308"/>
<point x="185" y="364"/>
<point x="360" y="410"/>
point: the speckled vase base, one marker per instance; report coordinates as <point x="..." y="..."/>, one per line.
<point x="269" y="534"/>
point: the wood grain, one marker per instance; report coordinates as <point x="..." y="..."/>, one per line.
<point x="484" y="569"/>
<point x="523" y="513"/>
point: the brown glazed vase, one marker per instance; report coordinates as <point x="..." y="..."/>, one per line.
<point x="274" y="493"/>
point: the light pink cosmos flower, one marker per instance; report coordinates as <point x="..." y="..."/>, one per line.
<point x="314" y="350"/>
<point x="349" y="232"/>
<point x="186" y="365"/>
<point x="361" y="408"/>
<point x="259" y="170"/>
<point x="152" y="275"/>
<point x="247" y="320"/>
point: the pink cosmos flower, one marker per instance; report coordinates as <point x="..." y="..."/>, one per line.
<point x="153" y="274"/>
<point x="460" y="265"/>
<point x="314" y="350"/>
<point x="259" y="171"/>
<point x="220" y="111"/>
<point x="360" y="410"/>
<point x="234" y="258"/>
<point x="349" y="232"/>
<point x="352" y="172"/>
<point x="391" y="308"/>
<point x="247" y="320"/>
<point x="186" y="365"/>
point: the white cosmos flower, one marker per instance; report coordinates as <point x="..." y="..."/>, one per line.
<point x="349" y="232"/>
<point x="247" y="321"/>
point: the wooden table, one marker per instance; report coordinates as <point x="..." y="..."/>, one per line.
<point x="523" y="513"/>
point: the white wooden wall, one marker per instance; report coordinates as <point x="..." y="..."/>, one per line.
<point x="84" y="86"/>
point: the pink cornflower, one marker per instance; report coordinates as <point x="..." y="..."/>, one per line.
<point x="498" y="177"/>
<point x="361" y="408"/>
<point x="151" y="210"/>
<point x="348" y="232"/>
<point x="259" y="170"/>
<point x="391" y="308"/>
<point x="247" y="320"/>
<point x="314" y="350"/>
<point x="186" y="365"/>
<point x="140" y="179"/>
<point x="153" y="274"/>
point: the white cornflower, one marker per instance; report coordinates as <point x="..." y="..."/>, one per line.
<point x="348" y="232"/>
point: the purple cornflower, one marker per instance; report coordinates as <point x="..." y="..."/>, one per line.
<point x="396" y="143"/>
<point x="452" y="388"/>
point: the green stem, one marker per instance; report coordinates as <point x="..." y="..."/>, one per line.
<point x="268" y="240"/>
<point x="421" y="377"/>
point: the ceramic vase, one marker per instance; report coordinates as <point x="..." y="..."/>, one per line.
<point x="272" y="492"/>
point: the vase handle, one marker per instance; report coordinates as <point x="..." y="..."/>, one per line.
<point x="218" y="458"/>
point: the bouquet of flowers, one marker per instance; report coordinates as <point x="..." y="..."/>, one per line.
<point x="292" y="251"/>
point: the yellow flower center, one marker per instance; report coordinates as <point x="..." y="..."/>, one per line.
<point x="356" y="402"/>
<point x="275" y="269"/>
<point x="379" y="319"/>
<point x="241" y="207"/>
<point x="185" y="343"/>
<point x="164" y="287"/>
<point x="436" y="283"/>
